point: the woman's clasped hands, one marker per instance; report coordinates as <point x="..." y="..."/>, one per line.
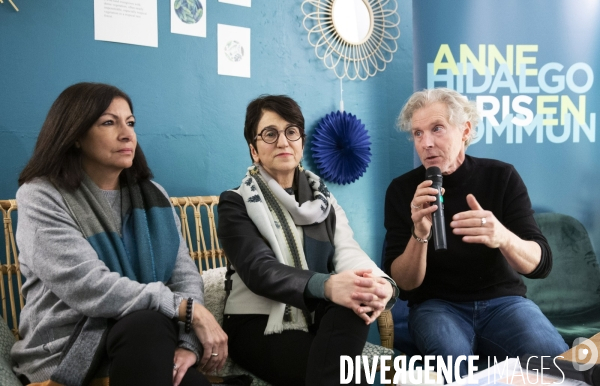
<point x="359" y="290"/>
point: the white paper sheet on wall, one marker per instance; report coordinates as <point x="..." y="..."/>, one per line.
<point x="126" y="21"/>
<point x="233" y="44"/>
<point x="245" y="3"/>
<point x="188" y="17"/>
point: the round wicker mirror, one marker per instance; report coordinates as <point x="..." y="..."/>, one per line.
<point x="354" y="38"/>
<point x="352" y="19"/>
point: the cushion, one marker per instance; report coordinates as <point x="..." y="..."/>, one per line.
<point x="214" y="301"/>
<point x="214" y="291"/>
<point x="7" y="339"/>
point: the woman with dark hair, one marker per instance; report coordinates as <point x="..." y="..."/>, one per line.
<point x="111" y="290"/>
<point x="303" y="292"/>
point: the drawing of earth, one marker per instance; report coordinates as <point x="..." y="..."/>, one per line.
<point x="234" y="51"/>
<point x="189" y="11"/>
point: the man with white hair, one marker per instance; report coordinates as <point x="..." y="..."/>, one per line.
<point x="469" y="298"/>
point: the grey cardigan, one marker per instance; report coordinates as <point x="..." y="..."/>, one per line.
<point x="65" y="280"/>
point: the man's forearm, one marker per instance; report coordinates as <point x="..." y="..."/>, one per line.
<point x="523" y="255"/>
<point x="408" y="269"/>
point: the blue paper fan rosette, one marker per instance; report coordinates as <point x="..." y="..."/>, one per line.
<point x="341" y="148"/>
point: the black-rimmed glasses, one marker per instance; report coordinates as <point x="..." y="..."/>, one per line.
<point x="271" y="135"/>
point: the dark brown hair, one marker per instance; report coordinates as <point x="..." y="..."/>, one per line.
<point x="283" y="105"/>
<point x="72" y="114"/>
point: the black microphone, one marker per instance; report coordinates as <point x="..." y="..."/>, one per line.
<point x="439" y="229"/>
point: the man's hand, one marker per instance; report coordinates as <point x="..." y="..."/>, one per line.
<point x="479" y="226"/>
<point x="421" y="208"/>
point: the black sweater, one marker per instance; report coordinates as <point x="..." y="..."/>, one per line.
<point x="466" y="272"/>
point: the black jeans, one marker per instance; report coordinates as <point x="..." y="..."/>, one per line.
<point x="141" y="347"/>
<point x="297" y="357"/>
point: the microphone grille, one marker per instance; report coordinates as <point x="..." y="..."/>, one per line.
<point x="433" y="173"/>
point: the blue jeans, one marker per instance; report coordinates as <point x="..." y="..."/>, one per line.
<point x="507" y="326"/>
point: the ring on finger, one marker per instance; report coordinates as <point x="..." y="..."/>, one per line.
<point x="175" y="366"/>
<point x="214" y="354"/>
<point x="415" y="206"/>
<point x="483" y="221"/>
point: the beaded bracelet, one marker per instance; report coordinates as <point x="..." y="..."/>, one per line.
<point x="188" y="315"/>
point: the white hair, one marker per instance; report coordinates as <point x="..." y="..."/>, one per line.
<point x="460" y="109"/>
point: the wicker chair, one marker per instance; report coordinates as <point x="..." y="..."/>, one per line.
<point x="200" y="235"/>
<point x="204" y="224"/>
<point x="205" y="255"/>
<point x="212" y="256"/>
<point x="10" y="272"/>
<point x="196" y="233"/>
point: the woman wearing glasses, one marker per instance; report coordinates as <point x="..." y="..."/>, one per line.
<point x="303" y="293"/>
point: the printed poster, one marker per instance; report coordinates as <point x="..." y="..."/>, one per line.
<point x="188" y="17"/>
<point x="126" y="21"/>
<point x="233" y="44"/>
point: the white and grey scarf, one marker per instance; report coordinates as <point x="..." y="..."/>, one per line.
<point x="276" y="215"/>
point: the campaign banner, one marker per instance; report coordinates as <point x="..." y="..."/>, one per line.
<point x="530" y="66"/>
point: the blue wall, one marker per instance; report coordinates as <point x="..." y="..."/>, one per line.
<point x="189" y="119"/>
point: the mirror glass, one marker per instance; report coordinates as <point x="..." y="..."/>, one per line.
<point x="352" y="20"/>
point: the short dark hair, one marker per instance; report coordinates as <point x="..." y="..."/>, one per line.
<point x="72" y="114"/>
<point x="283" y="105"/>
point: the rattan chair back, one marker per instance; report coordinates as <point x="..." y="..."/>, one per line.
<point x="10" y="272"/>
<point x="199" y="230"/>
<point x="202" y="208"/>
